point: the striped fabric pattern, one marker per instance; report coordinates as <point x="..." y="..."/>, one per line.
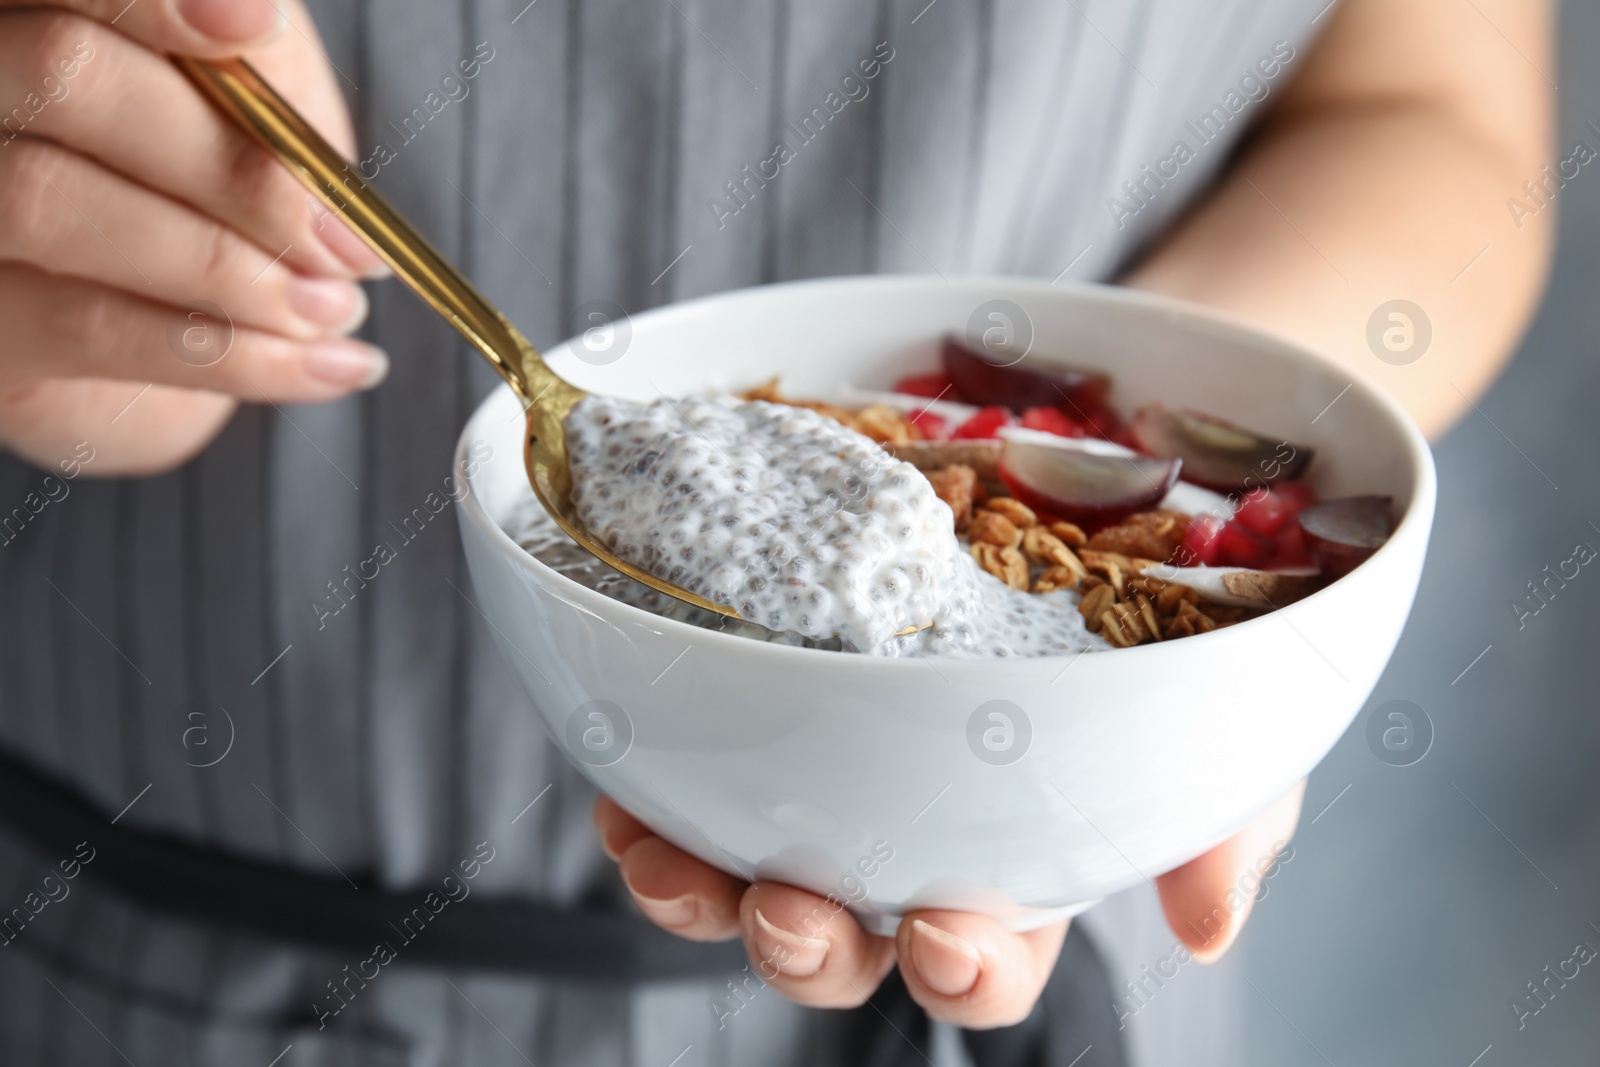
<point x="604" y="150"/>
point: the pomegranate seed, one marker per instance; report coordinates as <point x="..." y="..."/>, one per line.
<point x="1201" y="546"/>
<point x="931" y="427"/>
<point x="1241" y="546"/>
<point x="1299" y="494"/>
<point x="1051" y="420"/>
<point x="1290" y="548"/>
<point x="1265" y="511"/>
<point x="985" y="424"/>
<point x="928" y="385"/>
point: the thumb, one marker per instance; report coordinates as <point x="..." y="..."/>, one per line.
<point x="1207" y="900"/>
<point x="207" y="28"/>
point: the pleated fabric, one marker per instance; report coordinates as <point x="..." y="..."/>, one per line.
<point x="604" y="150"/>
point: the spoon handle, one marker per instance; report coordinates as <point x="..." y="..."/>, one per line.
<point x="246" y="97"/>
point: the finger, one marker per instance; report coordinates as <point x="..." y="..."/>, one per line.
<point x="134" y="429"/>
<point x="66" y="328"/>
<point x="186" y="27"/>
<point x="969" y="970"/>
<point x="811" y="949"/>
<point x="107" y="110"/>
<point x="69" y="215"/>
<point x="680" y="893"/>
<point x="1208" y="899"/>
<point x="618" y="829"/>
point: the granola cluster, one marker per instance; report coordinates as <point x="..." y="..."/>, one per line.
<point x="1131" y="608"/>
<point x="1120" y="602"/>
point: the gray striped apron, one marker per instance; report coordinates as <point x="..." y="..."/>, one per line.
<point x="617" y="150"/>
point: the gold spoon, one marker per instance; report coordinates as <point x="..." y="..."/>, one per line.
<point x="246" y="98"/>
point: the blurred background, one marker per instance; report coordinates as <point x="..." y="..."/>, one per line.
<point x="1421" y="902"/>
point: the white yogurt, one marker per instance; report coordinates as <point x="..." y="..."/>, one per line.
<point x="803" y="526"/>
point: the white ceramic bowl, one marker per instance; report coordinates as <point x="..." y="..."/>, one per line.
<point x="812" y="767"/>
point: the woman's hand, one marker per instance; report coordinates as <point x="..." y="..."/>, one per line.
<point x="962" y="968"/>
<point x="126" y="198"/>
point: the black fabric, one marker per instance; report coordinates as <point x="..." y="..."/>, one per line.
<point x="169" y="876"/>
<point x="204" y="885"/>
<point x="1072" y="1024"/>
<point x="889" y="1030"/>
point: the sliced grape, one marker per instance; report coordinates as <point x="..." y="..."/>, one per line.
<point x="986" y="378"/>
<point x="1072" y="483"/>
<point x="1215" y="453"/>
<point x="1095" y="445"/>
<point x="1340" y="534"/>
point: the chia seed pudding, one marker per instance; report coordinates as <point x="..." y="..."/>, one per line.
<point x="807" y="528"/>
<point x="1018" y="624"/>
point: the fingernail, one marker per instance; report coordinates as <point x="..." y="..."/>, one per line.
<point x="329" y="303"/>
<point x="356" y="253"/>
<point x="350" y="364"/>
<point x="792" y="954"/>
<point x="229" y="20"/>
<point x="946" y="964"/>
<point x="668" y="913"/>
